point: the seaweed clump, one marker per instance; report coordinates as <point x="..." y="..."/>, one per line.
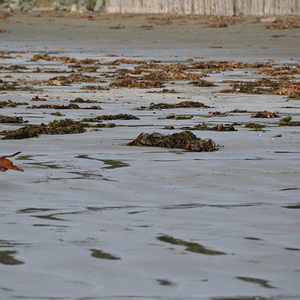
<point x="287" y="121"/>
<point x="265" y="114"/>
<point x="184" y="104"/>
<point x="56" y="106"/>
<point x="292" y="91"/>
<point x="255" y="127"/>
<point x="66" y="126"/>
<point x="72" y="79"/>
<point x="184" y="140"/>
<point x="6" y="119"/>
<point x="80" y="100"/>
<point x="10" y="103"/>
<point x="131" y="83"/>
<point x="220" y="127"/>
<point x="111" y="117"/>
<point x="202" y="83"/>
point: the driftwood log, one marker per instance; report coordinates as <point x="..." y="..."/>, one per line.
<point x="6" y="164"/>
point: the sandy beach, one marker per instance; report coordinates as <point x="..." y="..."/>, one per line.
<point x="93" y="218"/>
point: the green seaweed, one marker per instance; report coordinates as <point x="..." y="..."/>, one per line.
<point x="112" y="163"/>
<point x="192" y="247"/>
<point x="262" y="282"/>
<point x="252" y="238"/>
<point x="32" y="210"/>
<point x="50" y="217"/>
<point x="7" y="259"/>
<point x="287" y="121"/>
<point x="164" y="282"/>
<point x="24" y="157"/>
<point x="294" y="206"/>
<point x="103" y="255"/>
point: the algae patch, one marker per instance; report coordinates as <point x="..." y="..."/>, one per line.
<point x="192" y="247"/>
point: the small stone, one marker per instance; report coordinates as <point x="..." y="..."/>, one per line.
<point x="268" y="20"/>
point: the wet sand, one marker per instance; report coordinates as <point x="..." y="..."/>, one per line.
<point x="92" y="218"/>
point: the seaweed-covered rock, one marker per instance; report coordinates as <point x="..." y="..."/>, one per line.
<point x="66" y="126"/>
<point x="265" y="114"/>
<point x="183" y="104"/>
<point x="184" y="140"/>
<point x="110" y="117"/>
